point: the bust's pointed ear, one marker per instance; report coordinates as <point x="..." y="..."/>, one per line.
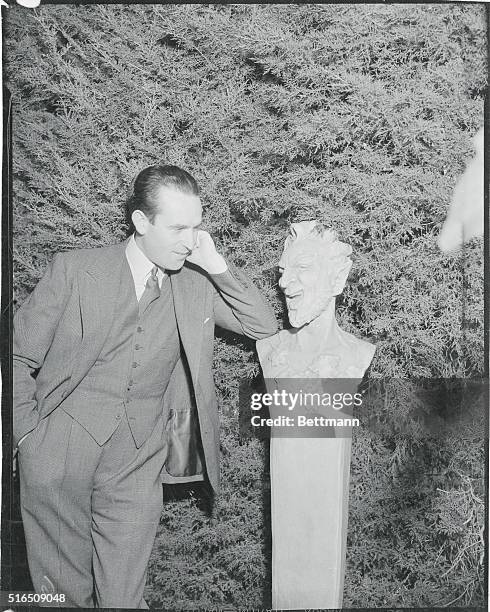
<point x="341" y="277"/>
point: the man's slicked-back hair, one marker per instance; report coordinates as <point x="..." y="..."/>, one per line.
<point x="147" y="183"/>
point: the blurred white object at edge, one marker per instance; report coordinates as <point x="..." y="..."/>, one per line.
<point x="465" y="216"/>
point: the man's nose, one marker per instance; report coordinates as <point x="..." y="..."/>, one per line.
<point x="189" y="238"/>
<point x="285" y="280"/>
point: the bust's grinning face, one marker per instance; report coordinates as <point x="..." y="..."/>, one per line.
<point x="307" y="280"/>
<point x="314" y="267"/>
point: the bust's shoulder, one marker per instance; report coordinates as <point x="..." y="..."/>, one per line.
<point x="357" y="342"/>
<point x="363" y="350"/>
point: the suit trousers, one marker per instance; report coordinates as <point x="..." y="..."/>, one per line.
<point x="90" y="512"/>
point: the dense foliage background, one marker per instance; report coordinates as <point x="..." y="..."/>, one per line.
<point x="357" y="115"/>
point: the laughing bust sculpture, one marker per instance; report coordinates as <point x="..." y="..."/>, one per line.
<point x="314" y="267"/>
<point x="310" y="476"/>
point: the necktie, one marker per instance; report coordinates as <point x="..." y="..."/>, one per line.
<point x="151" y="292"/>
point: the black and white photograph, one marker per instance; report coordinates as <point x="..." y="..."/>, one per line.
<point x="244" y="309"/>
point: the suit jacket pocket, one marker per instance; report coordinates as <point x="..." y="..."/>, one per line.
<point x="184" y="444"/>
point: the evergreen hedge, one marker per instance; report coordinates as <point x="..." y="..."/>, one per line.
<point x="357" y="115"/>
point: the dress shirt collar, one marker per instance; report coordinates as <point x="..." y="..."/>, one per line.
<point x="140" y="265"/>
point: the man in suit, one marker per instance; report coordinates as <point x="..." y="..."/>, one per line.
<point x="113" y="390"/>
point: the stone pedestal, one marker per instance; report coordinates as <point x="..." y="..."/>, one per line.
<point x="309" y="505"/>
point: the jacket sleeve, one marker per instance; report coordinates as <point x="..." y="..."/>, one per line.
<point x="240" y="307"/>
<point x="34" y="325"/>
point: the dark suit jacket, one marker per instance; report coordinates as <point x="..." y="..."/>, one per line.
<point x="60" y="329"/>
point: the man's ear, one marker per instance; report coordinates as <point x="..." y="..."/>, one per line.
<point x="140" y="221"/>
<point x="341" y="278"/>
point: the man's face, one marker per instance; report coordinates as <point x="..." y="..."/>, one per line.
<point x="172" y="235"/>
<point x="306" y="280"/>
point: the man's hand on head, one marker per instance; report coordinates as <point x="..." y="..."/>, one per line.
<point x="205" y="255"/>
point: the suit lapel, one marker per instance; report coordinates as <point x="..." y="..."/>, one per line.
<point x="99" y="285"/>
<point x="189" y="307"/>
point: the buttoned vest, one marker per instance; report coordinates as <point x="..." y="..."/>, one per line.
<point x="130" y="376"/>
